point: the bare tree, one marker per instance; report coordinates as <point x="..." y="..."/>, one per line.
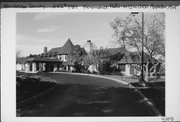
<point x="18" y="54"/>
<point x="128" y="33"/>
<point x="96" y="56"/>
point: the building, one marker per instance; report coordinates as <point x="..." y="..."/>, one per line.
<point x="126" y="62"/>
<point x="56" y="59"/>
<point x="20" y="63"/>
<point x="130" y="62"/>
<point x="52" y="60"/>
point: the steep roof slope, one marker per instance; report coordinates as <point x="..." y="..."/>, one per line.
<point x="67" y="48"/>
<point x="132" y="57"/>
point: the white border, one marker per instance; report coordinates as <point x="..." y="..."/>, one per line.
<point x="8" y="47"/>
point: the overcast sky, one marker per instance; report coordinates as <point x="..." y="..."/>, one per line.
<point x="37" y="30"/>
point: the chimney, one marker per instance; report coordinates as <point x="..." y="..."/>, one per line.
<point x="45" y="49"/>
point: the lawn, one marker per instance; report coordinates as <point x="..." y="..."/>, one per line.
<point x="28" y="85"/>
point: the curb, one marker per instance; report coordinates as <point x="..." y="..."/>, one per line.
<point x="98" y="76"/>
<point x="35" y="97"/>
<point x="147" y="102"/>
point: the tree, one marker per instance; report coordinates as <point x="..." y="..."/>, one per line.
<point x="128" y="33"/>
<point x="100" y="55"/>
<point x="18" y="55"/>
<point x="33" y="56"/>
<point x="105" y="67"/>
<point x="88" y="60"/>
<point x="100" y="58"/>
<point x="76" y="56"/>
<point x="95" y="57"/>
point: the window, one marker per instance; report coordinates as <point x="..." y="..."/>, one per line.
<point x="122" y="67"/>
<point x="59" y="57"/>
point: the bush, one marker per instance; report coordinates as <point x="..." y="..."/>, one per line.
<point x="84" y="69"/>
<point x="116" y="71"/>
<point x="78" y="67"/>
<point x="104" y="67"/>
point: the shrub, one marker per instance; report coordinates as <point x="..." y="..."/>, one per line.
<point x="78" y="67"/>
<point x="104" y="67"/>
<point x="84" y="69"/>
<point x="116" y="71"/>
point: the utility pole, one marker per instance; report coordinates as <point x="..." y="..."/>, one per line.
<point x="142" y="57"/>
<point x="141" y="80"/>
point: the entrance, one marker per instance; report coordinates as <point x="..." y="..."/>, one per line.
<point x="51" y="67"/>
<point x="30" y="67"/>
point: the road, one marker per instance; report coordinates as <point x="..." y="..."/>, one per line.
<point x="78" y="95"/>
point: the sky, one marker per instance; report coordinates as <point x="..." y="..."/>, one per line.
<point x="52" y="29"/>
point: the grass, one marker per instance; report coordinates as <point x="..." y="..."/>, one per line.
<point x="28" y="85"/>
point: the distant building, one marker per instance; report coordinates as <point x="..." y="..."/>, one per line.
<point x="52" y="60"/>
<point x="20" y="64"/>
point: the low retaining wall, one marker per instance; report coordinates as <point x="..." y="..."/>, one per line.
<point x="147" y="102"/>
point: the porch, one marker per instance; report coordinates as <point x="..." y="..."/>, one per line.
<point x="35" y="65"/>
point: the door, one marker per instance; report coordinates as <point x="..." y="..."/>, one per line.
<point x="131" y="70"/>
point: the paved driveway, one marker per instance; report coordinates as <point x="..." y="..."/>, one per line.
<point x="78" y="95"/>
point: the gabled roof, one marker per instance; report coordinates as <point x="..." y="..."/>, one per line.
<point x="39" y="59"/>
<point x="109" y="51"/>
<point x="133" y="57"/>
<point x="67" y="48"/>
<point x="21" y="60"/>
